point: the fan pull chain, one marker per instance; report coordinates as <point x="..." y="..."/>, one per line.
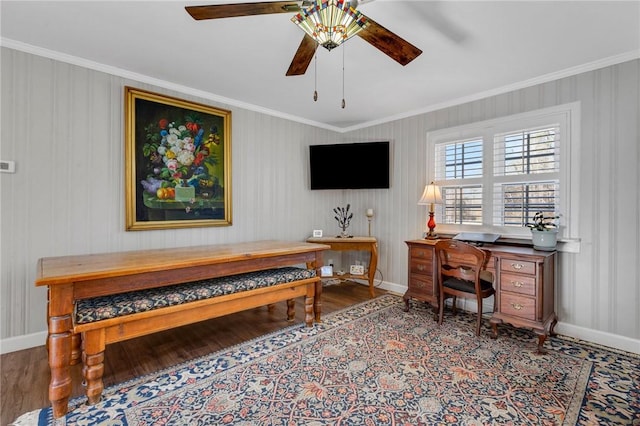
<point x="315" y="75"/>
<point x="343" y="102"/>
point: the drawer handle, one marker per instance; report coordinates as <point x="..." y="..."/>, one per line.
<point x="421" y="268"/>
<point x="517" y="265"/>
<point x="421" y="253"/>
<point x="517" y="283"/>
<point x="517" y="306"/>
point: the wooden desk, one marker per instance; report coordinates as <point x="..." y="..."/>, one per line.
<point x="71" y="278"/>
<point x="524" y="280"/>
<point x="369" y="244"/>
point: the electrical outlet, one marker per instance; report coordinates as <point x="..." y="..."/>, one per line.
<point x="7" y="166"/>
<point x="357" y="270"/>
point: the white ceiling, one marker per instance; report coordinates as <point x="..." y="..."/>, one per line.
<point x="471" y="49"/>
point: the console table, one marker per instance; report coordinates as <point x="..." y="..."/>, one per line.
<point x="524" y="280"/>
<point x="369" y="244"/>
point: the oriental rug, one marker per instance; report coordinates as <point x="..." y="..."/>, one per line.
<point x="374" y="364"/>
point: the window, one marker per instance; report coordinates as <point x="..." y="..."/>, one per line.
<point x="495" y="175"/>
<point x="532" y="158"/>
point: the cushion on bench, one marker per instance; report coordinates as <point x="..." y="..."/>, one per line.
<point x="104" y="307"/>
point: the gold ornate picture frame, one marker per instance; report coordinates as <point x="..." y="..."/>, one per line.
<point x="177" y="163"/>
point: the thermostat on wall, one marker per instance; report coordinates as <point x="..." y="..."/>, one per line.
<point x="7" y="166"/>
<point x="357" y="270"/>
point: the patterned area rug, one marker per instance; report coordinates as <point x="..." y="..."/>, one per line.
<point x="373" y="364"/>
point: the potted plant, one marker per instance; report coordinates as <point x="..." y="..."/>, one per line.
<point x="544" y="231"/>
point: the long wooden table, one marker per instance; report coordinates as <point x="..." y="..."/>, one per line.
<point x="70" y="278"/>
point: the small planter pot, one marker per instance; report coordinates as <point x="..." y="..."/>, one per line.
<point x="544" y="240"/>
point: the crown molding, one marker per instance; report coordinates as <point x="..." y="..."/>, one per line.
<point x="567" y="72"/>
<point x="119" y="72"/>
<point x="96" y="66"/>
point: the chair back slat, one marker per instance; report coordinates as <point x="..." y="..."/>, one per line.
<point x="458" y="271"/>
<point x="459" y="260"/>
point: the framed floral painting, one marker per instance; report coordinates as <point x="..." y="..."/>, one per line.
<point x="177" y="163"/>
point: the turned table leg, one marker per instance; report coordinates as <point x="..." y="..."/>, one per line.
<point x="317" y="297"/>
<point x="76" y="349"/>
<point x="291" y="309"/>
<point x="309" y="308"/>
<point x="93" y="345"/>
<point x="317" y="301"/>
<point x="59" y="345"/>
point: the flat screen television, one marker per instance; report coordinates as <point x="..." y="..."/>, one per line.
<point x="362" y="165"/>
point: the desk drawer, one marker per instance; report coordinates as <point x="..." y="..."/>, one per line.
<point x="519" y="266"/>
<point x="518" y="306"/>
<point x="421" y="284"/>
<point x="420" y="266"/>
<point x="522" y="284"/>
<point x="422" y="253"/>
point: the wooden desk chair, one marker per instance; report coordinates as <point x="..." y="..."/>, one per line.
<point x="460" y="274"/>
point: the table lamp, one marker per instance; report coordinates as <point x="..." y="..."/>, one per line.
<point x="430" y="197"/>
<point x="369" y="214"/>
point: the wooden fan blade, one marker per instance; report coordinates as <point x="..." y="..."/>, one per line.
<point x="303" y="56"/>
<point x="241" y="9"/>
<point x="389" y="43"/>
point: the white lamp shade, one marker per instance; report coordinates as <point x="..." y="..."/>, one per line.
<point x="431" y="195"/>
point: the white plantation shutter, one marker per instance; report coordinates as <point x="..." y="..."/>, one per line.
<point x="459" y="160"/>
<point x="462" y="204"/>
<point x="459" y="170"/>
<point x="526" y="174"/>
<point x="516" y="203"/>
<point x="496" y="174"/>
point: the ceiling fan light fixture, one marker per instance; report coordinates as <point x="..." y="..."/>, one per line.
<point x="330" y="22"/>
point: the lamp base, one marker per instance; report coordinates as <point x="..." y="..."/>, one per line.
<point x="431" y="224"/>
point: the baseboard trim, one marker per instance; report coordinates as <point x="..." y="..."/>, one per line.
<point x="622" y="343"/>
<point x="627" y="344"/>
<point x="610" y="340"/>
<point x="18" y="343"/>
<point x="392" y="287"/>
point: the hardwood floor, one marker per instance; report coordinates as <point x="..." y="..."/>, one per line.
<point x="25" y="374"/>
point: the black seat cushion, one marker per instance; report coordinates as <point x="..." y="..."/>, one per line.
<point x="466" y="286"/>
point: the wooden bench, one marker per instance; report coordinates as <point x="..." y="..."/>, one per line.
<point x="148" y="311"/>
<point x="95" y="300"/>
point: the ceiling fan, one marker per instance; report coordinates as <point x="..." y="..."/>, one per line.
<point x="378" y="36"/>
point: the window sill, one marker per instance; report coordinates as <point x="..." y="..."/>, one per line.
<point x="565" y="245"/>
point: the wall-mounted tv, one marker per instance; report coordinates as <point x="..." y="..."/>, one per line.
<point x="362" y="165"/>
